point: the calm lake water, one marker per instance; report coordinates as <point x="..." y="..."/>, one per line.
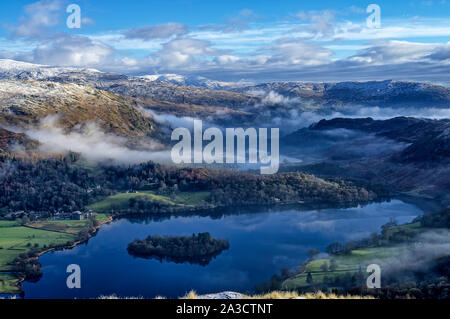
<point x="261" y="244"/>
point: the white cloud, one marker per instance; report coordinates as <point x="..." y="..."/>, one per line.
<point x="382" y="52"/>
<point x="441" y="53"/>
<point x="38" y="17"/>
<point x="184" y="53"/>
<point x="73" y="51"/>
<point x="160" y="31"/>
<point x="227" y="59"/>
<point x="313" y="45"/>
<point x="237" y="23"/>
<point x="296" y="51"/>
<point x="321" y="23"/>
<point x="273" y="98"/>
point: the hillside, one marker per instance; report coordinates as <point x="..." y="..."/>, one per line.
<point x="26" y="103"/>
<point x="10" y="140"/>
<point x="373" y="93"/>
<point x="201" y="91"/>
<point x="413" y="258"/>
<point x="142" y="87"/>
<point x="406" y="155"/>
<point x="429" y="139"/>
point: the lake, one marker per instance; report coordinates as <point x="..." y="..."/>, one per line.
<point x="261" y="244"/>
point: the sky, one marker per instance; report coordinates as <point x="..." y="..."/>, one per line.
<point x="232" y="40"/>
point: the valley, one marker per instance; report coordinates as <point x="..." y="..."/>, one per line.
<point x="412" y="262"/>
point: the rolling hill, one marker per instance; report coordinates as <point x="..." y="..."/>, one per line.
<point x="26" y="103"/>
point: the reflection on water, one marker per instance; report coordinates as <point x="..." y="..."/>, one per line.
<point x="260" y="245"/>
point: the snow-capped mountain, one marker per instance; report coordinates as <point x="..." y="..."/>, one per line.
<point x="196" y="81"/>
<point x="197" y="90"/>
<point x="27" y="102"/>
<point x="172" y="88"/>
<point x="10" y="69"/>
<point x="379" y="93"/>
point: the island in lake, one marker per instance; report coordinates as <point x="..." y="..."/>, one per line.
<point x="196" y="249"/>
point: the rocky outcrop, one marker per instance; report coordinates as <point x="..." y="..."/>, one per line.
<point x="222" y="295"/>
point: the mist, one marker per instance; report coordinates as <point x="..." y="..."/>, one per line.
<point x="294" y="119"/>
<point x="273" y="98"/>
<point x="170" y="120"/>
<point x="429" y="246"/>
<point x="290" y="114"/>
<point x="92" y="143"/>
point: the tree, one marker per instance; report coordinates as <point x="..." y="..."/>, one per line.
<point x="92" y="222"/>
<point x="309" y="278"/>
<point x="286" y="273"/>
<point x="360" y="276"/>
<point x="334" y="248"/>
<point x="324" y="266"/>
<point x="313" y="253"/>
<point x="374" y="238"/>
<point x="24" y="220"/>
<point x="333" y="265"/>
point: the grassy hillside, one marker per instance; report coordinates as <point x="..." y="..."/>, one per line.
<point x="27" y="102"/>
<point x="8" y="284"/>
<point x="349" y="265"/>
<point x="352" y="264"/>
<point x="17" y="239"/>
<point x="121" y="200"/>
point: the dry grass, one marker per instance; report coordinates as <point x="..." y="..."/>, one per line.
<point x="276" y="295"/>
<point x="191" y="295"/>
<point x="295" y="295"/>
<point x="289" y="295"/>
<point x="272" y="295"/>
<point x="321" y="295"/>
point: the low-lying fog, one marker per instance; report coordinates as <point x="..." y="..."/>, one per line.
<point x="289" y="115"/>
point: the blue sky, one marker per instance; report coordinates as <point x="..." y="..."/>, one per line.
<point x="235" y="40"/>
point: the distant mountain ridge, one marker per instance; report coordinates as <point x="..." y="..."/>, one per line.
<point x="197" y="90"/>
<point x="429" y="139"/>
<point x="10" y="69"/>
<point x="381" y="93"/>
<point x="132" y="86"/>
<point x="196" y="81"/>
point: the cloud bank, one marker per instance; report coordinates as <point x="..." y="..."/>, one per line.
<point x="319" y="45"/>
<point x="92" y="143"/>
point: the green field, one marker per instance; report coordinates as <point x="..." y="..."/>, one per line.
<point x="181" y="199"/>
<point x="8" y="284"/>
<point x="349" y="263"/>
<point x="16" y="239"/>
<point x="345" y="264"/>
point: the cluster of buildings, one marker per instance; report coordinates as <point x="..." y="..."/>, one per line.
<point x="76" y="215"/>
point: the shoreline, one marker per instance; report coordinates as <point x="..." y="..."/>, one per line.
<point x="71" y="246"/>
<point x="414" y="200"/>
